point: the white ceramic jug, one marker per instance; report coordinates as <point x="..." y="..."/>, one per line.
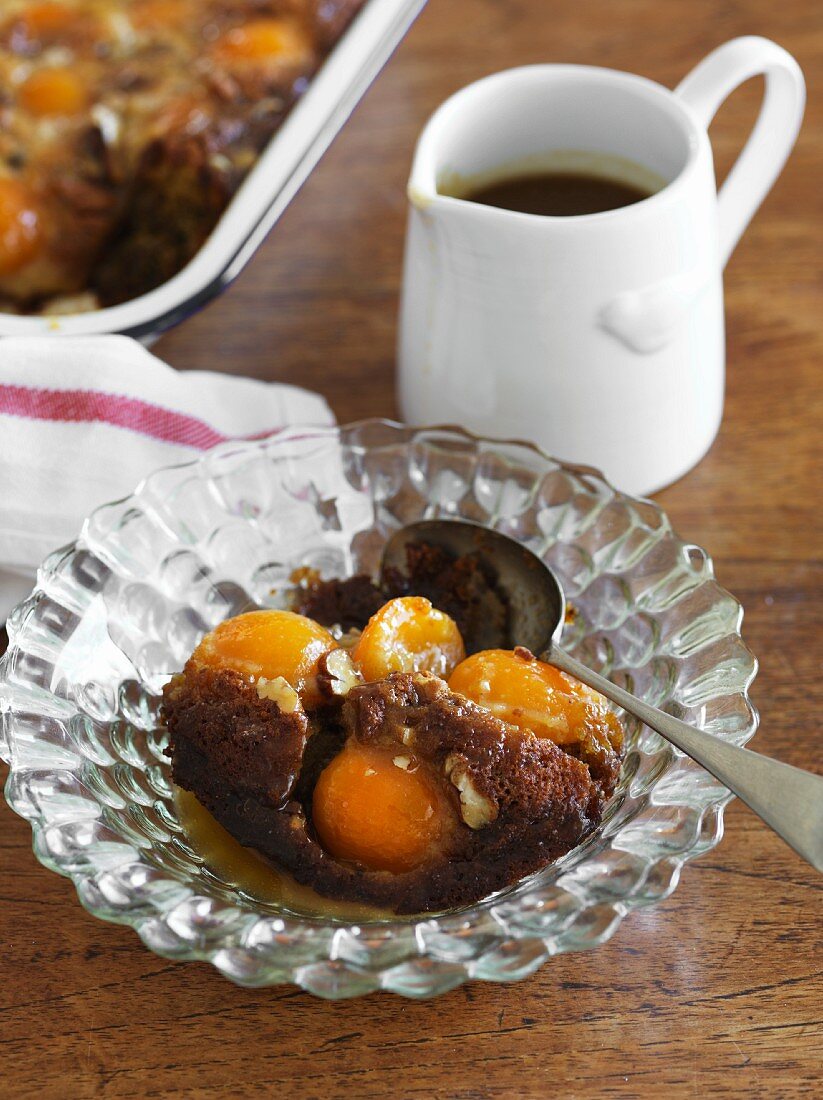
<point x="598" y="336"/>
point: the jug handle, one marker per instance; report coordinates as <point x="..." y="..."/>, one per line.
<point x="774" y="133"/>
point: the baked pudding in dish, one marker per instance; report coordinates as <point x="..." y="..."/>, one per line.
<point x="126" y="126"/>
<point x="370" y="746"/>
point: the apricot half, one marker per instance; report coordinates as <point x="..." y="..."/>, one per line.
<point x="269" y="643"/>
<point x="160" y="15"/>
<point x="47" y="18"/>
<point x="407" y="634"/>
<point x="262" y="40"/>
<point x="526" y="693"/>
<point x="54" y="91"/>
<point x="372" y="806"/>
<point x="20" y="226"/>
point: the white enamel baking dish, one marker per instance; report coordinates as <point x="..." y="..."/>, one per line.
<point x="283" y="166"/>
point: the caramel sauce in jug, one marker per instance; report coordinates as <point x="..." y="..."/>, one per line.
<point x="557" y="194"/>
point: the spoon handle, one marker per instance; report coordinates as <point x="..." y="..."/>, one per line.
<point x="788" y="799"/>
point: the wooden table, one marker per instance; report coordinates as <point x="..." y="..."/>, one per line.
<point x="716" y="991"/>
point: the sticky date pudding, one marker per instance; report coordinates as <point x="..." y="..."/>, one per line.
<point x="370" y="745"/>
<point x="126" y="127"/>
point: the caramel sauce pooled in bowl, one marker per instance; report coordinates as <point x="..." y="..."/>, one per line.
<point x="249" y="873"/>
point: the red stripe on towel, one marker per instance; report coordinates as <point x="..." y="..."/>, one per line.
<point x="87" y="406"/>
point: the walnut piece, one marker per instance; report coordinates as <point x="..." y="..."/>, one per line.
<point x="336" y="674"/>
<point x="280" y="691"/>
<point x="476" y="810"/>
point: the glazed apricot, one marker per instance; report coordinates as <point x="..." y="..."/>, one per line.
<point x="53" y="92"/>
<point x="407" y="634"/>
<point x="159" y="14"/>
<point x="529" y="694"/>
<point x="262" y="40"/>
<point x="20" y="226"/>
<point x="271" y="644"/>
<point x="46" y="19"/>
<point x="371" y="806"/>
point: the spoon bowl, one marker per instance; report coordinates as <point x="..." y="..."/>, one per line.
<point x="536" y="602"/>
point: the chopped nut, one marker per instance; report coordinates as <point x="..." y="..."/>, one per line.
<point x="523" y="653"/>
<point x="280" y="691"/>
<point x="476" y="810"/>
<point x="336" y="674"/>
<point x="402" y="762"/>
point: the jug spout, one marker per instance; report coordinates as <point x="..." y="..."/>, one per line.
<point x="420" y="198"/>
<point x="421" y="189"/>
<point x="450" y="211"/>
<point x="433" y="187"/>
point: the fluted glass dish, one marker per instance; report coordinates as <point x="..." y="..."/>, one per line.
<point x="117" y="612"/>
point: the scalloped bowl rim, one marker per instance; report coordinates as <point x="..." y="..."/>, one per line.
<point x="483" y="917"/>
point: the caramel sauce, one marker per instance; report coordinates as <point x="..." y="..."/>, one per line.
<point x="558" y="194"/>
<point x="249" y="872"/>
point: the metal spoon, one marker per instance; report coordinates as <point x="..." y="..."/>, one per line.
<point x="788" y="799"/>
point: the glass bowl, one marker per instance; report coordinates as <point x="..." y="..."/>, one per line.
<point x="114" y="614"/>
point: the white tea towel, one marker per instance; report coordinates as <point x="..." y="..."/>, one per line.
<point x="84" y="419"/>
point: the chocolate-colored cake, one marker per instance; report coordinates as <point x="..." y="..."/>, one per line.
<point x="458" y="586"/>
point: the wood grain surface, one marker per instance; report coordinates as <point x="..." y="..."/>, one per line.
<point x="715" y="992"/>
